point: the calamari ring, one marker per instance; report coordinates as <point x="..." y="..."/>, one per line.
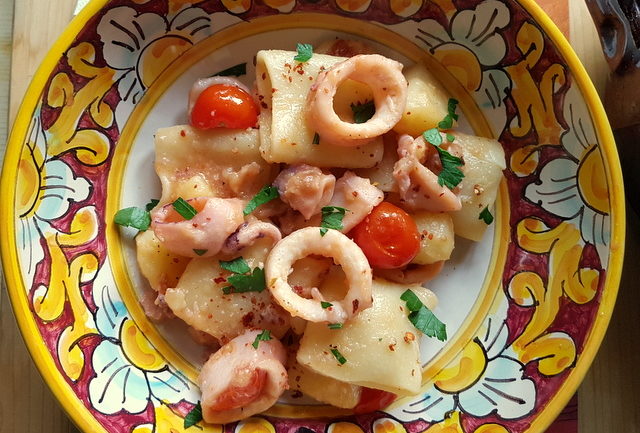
<point x="389" y="87"/>
<point x="344" y="252"/>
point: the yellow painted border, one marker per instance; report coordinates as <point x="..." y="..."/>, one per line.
<point x="42" y="358"/>
<point x="616" y="193"/>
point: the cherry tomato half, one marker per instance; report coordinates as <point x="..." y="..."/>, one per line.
<point x="388" y="236"/>
<point x="372" y="400"/>
<point x="224" y="106"/>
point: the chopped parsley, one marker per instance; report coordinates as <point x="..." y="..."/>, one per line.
<point x="447" y="122"/>
<point x="450" y="138"/>
<point x="363" y="112"/>
<point x="265" y="195"/>
<point x="199" y="251"/>
<point x="243" y="278"/>
<point x="237" y="266"/>
<point x="194" y="416"/>
<point x="316" y="139"/>
<point x="433" y="136"/>
<point x="324" y="304"/>
<point x="235" y="71"/>
<point x="331" y="218"/>
<point x="133" y="217"/>
<point x="450" y="175"/>
<point x="152" y="203"/>
<point x="265" y="335"/>
<point x="305" y="51"/>
<point x="335" y="325"/>
<point x="184" y="209"/>
<point x="486" y="216"/>
<point x="423" y="318"/>
<point x="341" y="359"/>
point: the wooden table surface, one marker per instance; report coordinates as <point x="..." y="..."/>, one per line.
<point x="609" y="398"/>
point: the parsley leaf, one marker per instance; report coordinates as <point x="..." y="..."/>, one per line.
<point x="423" y="318"/>
<point x="199" y="252"/>
<point x="236" y="71"/>
<point x="486" y="216"/>
<point x="253" y="282"/>
<point x="244" y="279"/>
<point x="335" y="325"/>
<point x="265" y="195"/>
<point x="451" y="108"/>
<point x="450" y="175"/>
<point x="341" y="359"/>
<point x="237" y="266"/>
<point x="324" y="304"/>
<point x="363" y="112"/>
<point x="194" y="416"/>
<point x="450" y="138"/>
<point x="184" y="208"/>
<point x="265" y="335"/>
<point x="133" y="217"/>
<point x="152" y="203"/>
<point x="316" y="139"/>
<point x="305" y="51"/>
<point x="433" y="136"/>
<point x="331" y="218"/>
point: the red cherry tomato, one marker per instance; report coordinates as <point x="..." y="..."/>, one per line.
<point x="372" y="400"/>
<point x="224" y="106"/>
<point x="388" y="236"/>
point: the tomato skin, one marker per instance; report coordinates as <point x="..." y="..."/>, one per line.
<point x="224" y="106"/>
<point x="372" y="400"/>
<point x="388" y="236"/>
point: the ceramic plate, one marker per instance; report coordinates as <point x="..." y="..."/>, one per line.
<point x="526" y="308"/>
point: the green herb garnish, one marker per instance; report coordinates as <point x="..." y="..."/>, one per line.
<point x="243" y="278"/>
<point x="331" y="218"/>
<point x="341" y="359"/>
<point x="265" y="195"/>
<point x="194" y="416"/>
<point x="184" y="209"/>
<point x="450" y="138"/>
<point x="335" y="325"/>
<point x="305" y="51"/>
<point x="325" y="304"/>
<point x="199" y="251"/>
<point x="363" y="112"/>
<point x="265" y="335"/>
<point x="486" y="216"/>
<point x="235" y="71"/>
<point x="316" y="139"/>
<point x="133" y="217"/>
<point x="450" y="175"/>
<point x="433" y="136"/>
<point x="423" y="318"/>
<point x="237" y="266"/>
<point x="152" y="203"/>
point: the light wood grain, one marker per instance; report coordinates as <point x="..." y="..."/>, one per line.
<point x="608" y="398"/>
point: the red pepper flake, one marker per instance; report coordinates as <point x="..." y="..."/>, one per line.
<point x="247" y="319"/>
<point x="409" y="337"/>
<point x="263" y="105"/>
<point x="355" y="305"/>
<point x="219" y="280"/>
<point x="264" y="75"/>
<point x="392" y="347"/>
<point x="182" y="133"/>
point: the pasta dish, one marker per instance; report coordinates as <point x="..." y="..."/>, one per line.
<point x="300" y="219"/>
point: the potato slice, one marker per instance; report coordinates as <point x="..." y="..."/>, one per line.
<point x="436" y="237"/>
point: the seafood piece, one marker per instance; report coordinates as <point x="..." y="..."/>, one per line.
<point x="343" y="250"/>
<point x="418" y="185"/>
<point x="305" y="188"/>
<point x="248" y="233"/>
<point x="240" y="380"/>
<point x="358" y="196"/>
<point x="205" y="233"/>
<point x="389" y="87"/>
